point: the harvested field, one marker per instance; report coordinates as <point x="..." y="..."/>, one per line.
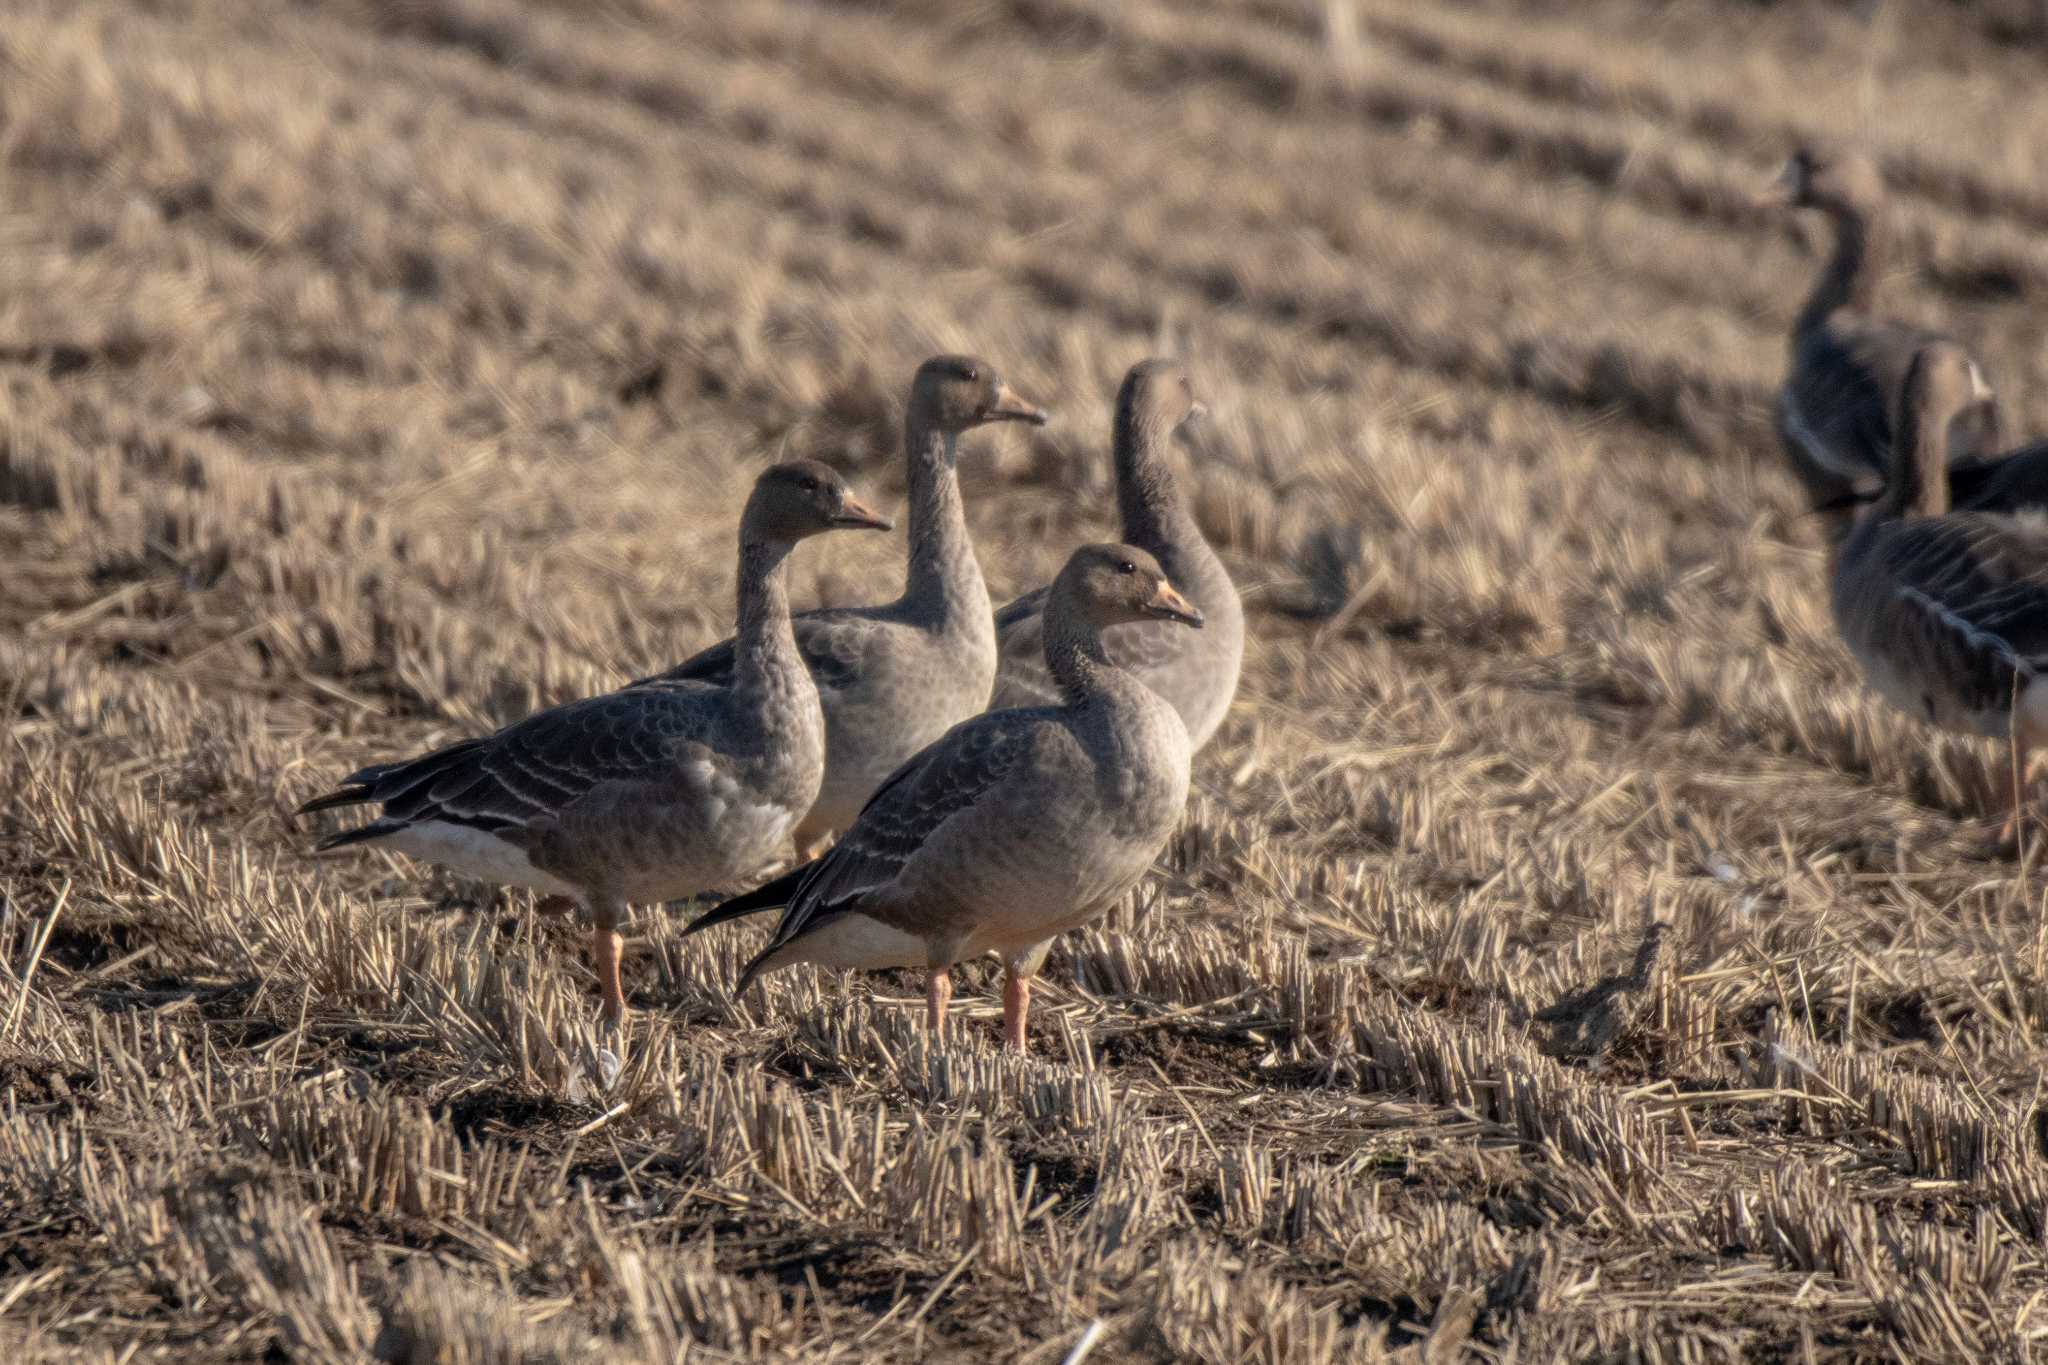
<point x="1563" y="956"/>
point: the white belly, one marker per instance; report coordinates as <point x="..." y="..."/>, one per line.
<point x="860" y="943"/>
<point x="474" y="853"/>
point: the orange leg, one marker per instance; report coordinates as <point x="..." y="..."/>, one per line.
<point x="1016" y="1005"/>
<point x="606" y="945"/>
<point x="938" y="992"/>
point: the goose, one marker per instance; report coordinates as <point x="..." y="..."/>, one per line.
<point x="1947" y="611"/>
<point x="892" y="678"/>
<point x="653" y="793"/>
<point x="1834" y="411"/>
<point x="1195" y="672"/>
<point x="1015" y="827"/>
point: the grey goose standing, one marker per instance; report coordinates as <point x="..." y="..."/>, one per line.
<point x="653" y="793"/>
<point x="1847" y="361"/>
<point x="1946" y="611"/>
<point x="1196" y="672"/>
<point x="1017" y="825"/>
<point x="892" y="678"/>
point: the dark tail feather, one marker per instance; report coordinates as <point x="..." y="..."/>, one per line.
<point x="752" y="969"/>
<point x="358" y="788"/>
<point x="385" y="783"/>
<point x="352" y="795"/>
<point x="770" y="895"/>
<point x="393" y="783"/>
<point x="363" y="834"/>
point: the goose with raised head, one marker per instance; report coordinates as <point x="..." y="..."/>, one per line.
<point x="1194" y="671"/>
<point x="1016" y="826"/>
<point x="892" y="678"/>
<point x="1847" y="361"/>
<point x="1947" y="611"/>
<point x="653" y="793"/>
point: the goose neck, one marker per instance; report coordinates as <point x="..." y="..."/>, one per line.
<point x="765" y="652"/>
<point x="1851" y="277"/>
<point x="1918" y="482"/>
<point x="944" y="582"/>
<point x="1075" y="655"/>
<point x="1149" y="498"/>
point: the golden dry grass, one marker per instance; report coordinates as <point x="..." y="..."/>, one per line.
<point x="1563" y="958"/>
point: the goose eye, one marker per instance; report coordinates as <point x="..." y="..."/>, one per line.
<point x="1125" y="566"/>
<point x="971" y="374"/>
<point x="810" y="485"/>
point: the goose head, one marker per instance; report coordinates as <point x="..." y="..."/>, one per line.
<point x="805" y="498"/>
<point x="1821" y="175"/>
<point x="1110" y="585"/>
<point x="955" y="393"/>
<point x="1157" y="394"/>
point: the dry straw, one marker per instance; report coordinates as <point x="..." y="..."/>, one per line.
<point x="1562" y="957"/>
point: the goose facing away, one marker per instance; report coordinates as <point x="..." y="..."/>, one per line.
<point x="1947" y="612"/>
<point x="649" y="794"/>
<point x="1846" y="363"/>
<point x="1017" y="825"/>
<point x="1194" y="671"/>
<point x="892" y="678"/>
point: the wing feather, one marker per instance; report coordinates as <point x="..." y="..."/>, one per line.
<point x="940" y="784"/>
<point x="524" y="776"/>
<point x="831" y="640"/>
<point x="1970" y="602"/>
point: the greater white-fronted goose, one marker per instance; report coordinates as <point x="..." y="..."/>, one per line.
<point x="654" y="793"/>
<point x="892" y="678"/>
<point x="1834" y="411"/>
<point x="1196" y="672"/>
<point x="1017" y="825"/>
<point x="1947" y="612"/>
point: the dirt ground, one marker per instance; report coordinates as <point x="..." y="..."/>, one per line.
<point x="1563" y="956"/>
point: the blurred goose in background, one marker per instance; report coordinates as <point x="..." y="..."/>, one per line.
<point x="1834" y="411"/>
<point x="1015" y="827"/>
<point x="892" y="678"/>
<point x="1947" y="612"/>
<point x="1194" y="671"/>
<point x="654" y="793"/>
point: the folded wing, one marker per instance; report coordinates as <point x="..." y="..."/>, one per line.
<point x="946" y="782"/>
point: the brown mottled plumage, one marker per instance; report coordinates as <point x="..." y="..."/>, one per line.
<point x="653" y="793"/>
<point x="1017" y="825"/>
